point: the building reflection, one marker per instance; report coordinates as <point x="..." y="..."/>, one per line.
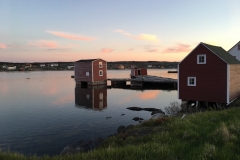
<point x="94" y="97"/>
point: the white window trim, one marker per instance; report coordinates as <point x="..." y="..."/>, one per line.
<point x="188" y="81"/>
<point x="100" y="65"/>
<point x="100" y="72"/>
<point x="205" y="60"/>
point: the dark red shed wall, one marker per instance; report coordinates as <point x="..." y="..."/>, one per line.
<point x="143" y="72"/>
<point x="211" y="78"/>
<point x="80" y="69"/>
<point x="96" y="70"/>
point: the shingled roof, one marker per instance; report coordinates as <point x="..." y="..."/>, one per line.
<point x="224" y="55"/>
<point x="86" y="60"/>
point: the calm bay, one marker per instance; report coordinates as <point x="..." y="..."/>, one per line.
<point x="42" y="112"/>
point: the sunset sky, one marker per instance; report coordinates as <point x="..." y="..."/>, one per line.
<point x="123" y="30"/>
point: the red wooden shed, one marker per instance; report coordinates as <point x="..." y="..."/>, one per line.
<point x="90" y="72"/>
<point x="209" y="74"/>
<point x="138" y="72"/>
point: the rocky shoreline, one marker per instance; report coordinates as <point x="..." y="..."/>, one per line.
<point x="122" y="131"/>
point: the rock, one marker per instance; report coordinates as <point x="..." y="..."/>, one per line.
<point x="157" y="111"/>
<point x="123" y="130"/>
<point x="135" y="108"/>
<point x="158" y="115"/>
<point x="128" y="127"/>
<point x="68" y="150"/>
<point x="136" y="119"/>
<point x="141" y="119"/>
<point x="120" y="128"/>
<point x="122" y="114"/>
<point x="150" y="109"/>
<point x="108" y="117"/>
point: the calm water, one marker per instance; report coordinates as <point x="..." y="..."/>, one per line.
<point x="43" y="112"/>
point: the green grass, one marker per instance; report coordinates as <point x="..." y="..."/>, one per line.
<point x="208" y="135"/>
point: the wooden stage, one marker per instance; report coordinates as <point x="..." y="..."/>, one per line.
<point x="147" y="81"/>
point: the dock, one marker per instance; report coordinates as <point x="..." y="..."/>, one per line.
<point x="145" y="81"/>
<point x="172" y="71"/>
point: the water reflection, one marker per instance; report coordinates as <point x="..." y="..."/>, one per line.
<point x="93" y="97"/>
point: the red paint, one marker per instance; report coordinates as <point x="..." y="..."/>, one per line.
<point x="91" y="66"/>
<point x="211" y="78"/>
<point x="139" y="72"/>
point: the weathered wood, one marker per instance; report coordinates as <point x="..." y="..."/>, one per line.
<point x="153" y="79"/>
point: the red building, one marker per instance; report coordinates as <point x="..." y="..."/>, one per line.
<point x="209" y="74"/>
<point x="90" y="72"/>
<point x="138" y="72"/>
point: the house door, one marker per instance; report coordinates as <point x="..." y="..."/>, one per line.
<point x="139" y="72"/>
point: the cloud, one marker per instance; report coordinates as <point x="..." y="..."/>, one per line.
<point x="71" y="36"/>
<point x="143" y="36"/>
<point x="44" y="44"/>
<point x="179" y="48"/>
<point x="153" y="50"/>
<point x="3" y="46"/>
<point x="150" y="48"/>
<point x="106" y="50"/>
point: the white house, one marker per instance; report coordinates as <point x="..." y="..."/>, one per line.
<point x="70" y="67"/>
<point x="42" y="65"/>
<point x="5" y="66"/>
<point x="10" y="67"/>
<point x="54" y="65"/>
<point x="235" y="51"/>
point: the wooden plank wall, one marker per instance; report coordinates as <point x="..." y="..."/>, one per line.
<point x="234" y="87"/>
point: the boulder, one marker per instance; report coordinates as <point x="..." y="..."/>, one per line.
<point x="135" y="108"/>
<point x="150" y="109"/>
<point x="157" y="111"/>
<point x="120" y="128"/>
<point x="136" y="119"/>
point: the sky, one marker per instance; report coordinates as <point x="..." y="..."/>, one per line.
<point x="114" y="30"/>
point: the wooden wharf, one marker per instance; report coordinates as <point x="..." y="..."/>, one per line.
<point x="144" y="81"/>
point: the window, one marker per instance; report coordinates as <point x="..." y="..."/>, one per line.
<point x="201" y="59"/>
<point x="87" y="73"/>
<point x="238" y="46"/>
<point x="100" y="64"/>
<point x="191" y="81"/>
<point x="100" y="73"/>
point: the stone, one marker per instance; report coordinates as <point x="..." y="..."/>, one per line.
<point x="150" y="109"/>
<point x="120" y="128"/>
<point x="135" y="108"/>
<point x="136" y="118"/>
<point x="157" y="111"/>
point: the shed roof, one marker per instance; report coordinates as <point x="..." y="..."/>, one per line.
<point x="224" y="55"/>
<point x="89" y="60"/>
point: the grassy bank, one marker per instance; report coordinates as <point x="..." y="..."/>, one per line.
<point x="208" y="135"/>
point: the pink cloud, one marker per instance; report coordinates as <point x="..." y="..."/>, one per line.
<point x="179" y="48"/>
<point x="145" y="37"/>
<point x="44" y="44"/>
<point x="106" y="50"/>
<point x="3" y="46"/>
<point x="71" y="36"/>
